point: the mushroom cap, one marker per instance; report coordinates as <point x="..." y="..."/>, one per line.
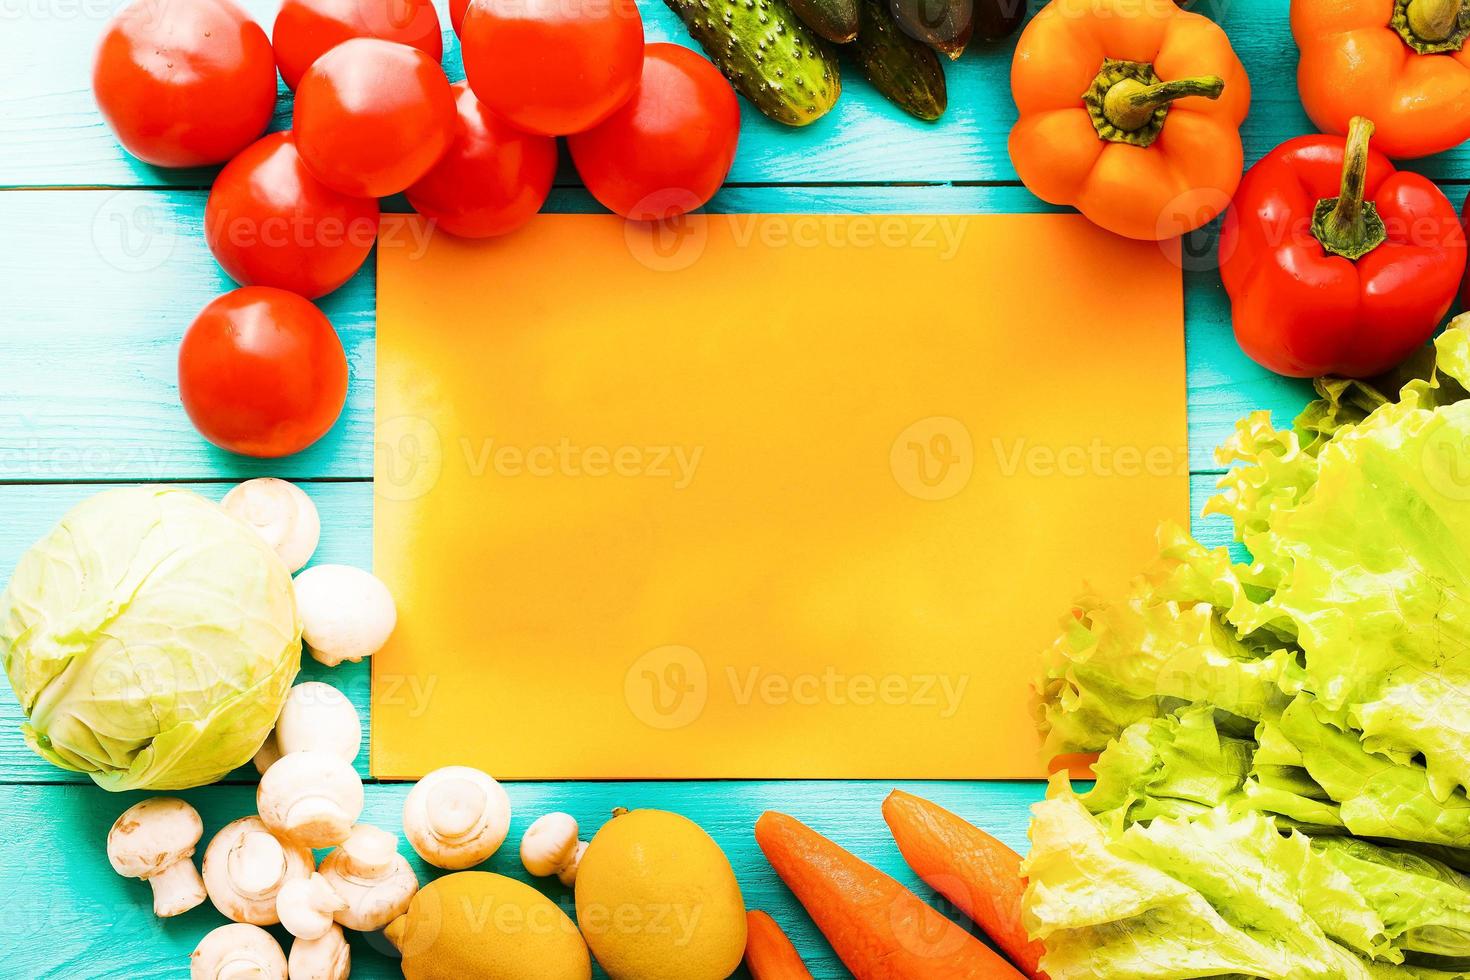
<point x="346" y="613"/>
<point x="282" y="514"/>
<point x="318" y="717"/>
<point x="306" y="906"/>
<point x="245" y="867"/>
<point x="326" y="958"/>
<point x="372" y="877"/>
<point x="311" y="798"/>
<point x="268" y="754"/>
<point x="152" y="836"/>
<point x="549" y="844"/>
<point x="237" y="951"/>
<point x="568" y="875"/>
<point x="456" y="817"/>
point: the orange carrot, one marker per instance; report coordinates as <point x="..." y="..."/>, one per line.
<point x="769" y="955"/>
<point x="879" y="928"/>
<point x="976" y="872"/>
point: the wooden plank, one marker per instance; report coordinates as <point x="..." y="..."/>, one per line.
<point x="51" y="134"/>
<point x="346" y="510"/>
<point x="67" y="902"/>
<point x="100" y="285"/>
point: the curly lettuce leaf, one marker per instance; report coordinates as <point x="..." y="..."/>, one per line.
<point x="1376" y="795"/>
<point x="1424" y="904"/>
<point x="1175" y="640"/>
<point x="1222" y="895"/>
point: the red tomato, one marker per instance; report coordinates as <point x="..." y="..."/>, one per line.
<point x="373" y="116"/>
<point x="262" y="373"/>
<point x="307" y="29"/>
<point x="669" y="148"/>
<point x="457" y="10"/>
<point x="552" y="66"/>
<point x="186" y="83"/>
<point x="492" y="180"/>
<point x="269" y="222"/>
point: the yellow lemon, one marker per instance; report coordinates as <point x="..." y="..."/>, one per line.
<point x="657" y="900"/>
<point x="477" y="924"/>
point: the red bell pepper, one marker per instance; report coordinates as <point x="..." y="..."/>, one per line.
<point x="1335" y="262"/>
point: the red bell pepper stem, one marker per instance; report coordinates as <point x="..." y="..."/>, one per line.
<point x="1130" y="104"/>
<point x="1347" y="225"/>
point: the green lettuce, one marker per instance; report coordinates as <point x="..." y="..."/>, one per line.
<point x="1221" y="894"/>
<point x="1285" y="740"/>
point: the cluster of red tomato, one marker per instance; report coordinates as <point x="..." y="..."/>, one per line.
<point x="652" y="130"/>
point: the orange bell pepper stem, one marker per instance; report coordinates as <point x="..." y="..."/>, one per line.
<point x="1094" y="136"/>
<point x="1383" y="59"/>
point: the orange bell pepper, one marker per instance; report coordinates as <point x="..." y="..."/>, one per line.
<point x="1402" y="63"/>
<point x="1130" y="110"/>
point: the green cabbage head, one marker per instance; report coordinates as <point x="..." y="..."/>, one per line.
<point x="151" y="639"/>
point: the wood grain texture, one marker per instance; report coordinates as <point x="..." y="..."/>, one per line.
<point x="100" y="285"/>
<point x="73" y="919"/>
<point x="51" y="134"/>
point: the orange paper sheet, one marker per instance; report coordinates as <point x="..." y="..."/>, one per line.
<point x="768" y="496"/>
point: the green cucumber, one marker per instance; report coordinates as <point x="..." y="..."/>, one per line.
<point x="905" y="70"/>
<point x="945" y="25"/>
<point x="835" y="20"/>
<point x="768" y="54"/>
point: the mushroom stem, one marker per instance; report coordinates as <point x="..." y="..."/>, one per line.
<point x="177" y="889"/>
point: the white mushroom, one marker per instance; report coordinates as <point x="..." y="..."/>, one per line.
<point x="327" y="958"/>
<point x="550" y="847"/>
<point x="267" y="755"/>
<point x="306" y="906"/>
<point x="346" y="613"/>
<point x="282" y="514"/>
<point x="456" y="817"/>
<point x="155" y="840"/>
<point x="311" y="798"/>
<point x="238" y="952"/>
<point x="568" y="875"/>
<point x="372" y="876"/>
<point x="245" y="867"/>
<point x="317" y="717"/>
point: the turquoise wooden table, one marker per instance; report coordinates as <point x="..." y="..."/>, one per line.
<point x="103" y="264"/>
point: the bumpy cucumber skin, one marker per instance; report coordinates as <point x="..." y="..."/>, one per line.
<point x="835" y="20"/>
<point x="905" y="70"/>
<point x="768" y="54"/>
